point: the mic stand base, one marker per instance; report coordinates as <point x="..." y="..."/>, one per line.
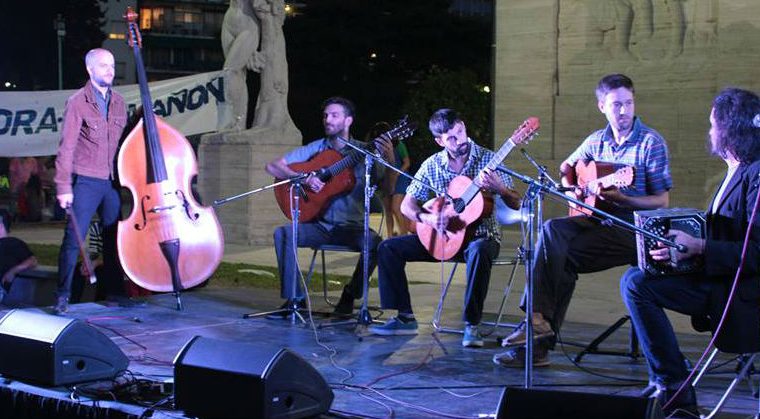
<point x="593" y="347"/>
<point x="291" y="312"/>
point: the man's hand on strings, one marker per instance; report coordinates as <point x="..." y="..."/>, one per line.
<point x="491" y="181"/>
<point x="314" y="183"/>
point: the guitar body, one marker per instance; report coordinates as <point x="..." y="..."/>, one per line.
<point x="585" y="174"/>
<point x="446" y="244"/>
<point x="313" y="204"/>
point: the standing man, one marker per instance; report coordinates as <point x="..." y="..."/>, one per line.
<point x="93" y="123"/>
<point x="582" y="244"/>
<point x="459" y="156"/>
<point x="734" y="137"/>
<point x="342" y="222"/>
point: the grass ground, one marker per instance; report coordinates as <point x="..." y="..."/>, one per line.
<point x="227" y="275"/>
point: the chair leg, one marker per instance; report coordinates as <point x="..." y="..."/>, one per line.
<point x="324" y="280"/>
<point x="439" y="310"/>
<point x="740" y="375"/>
<point x="704" y="368"/>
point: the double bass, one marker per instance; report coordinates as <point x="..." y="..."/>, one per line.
<point x="169" y="242"/>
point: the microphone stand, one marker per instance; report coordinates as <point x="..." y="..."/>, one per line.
<point x="533" y="197"/>
<point x="296" y="191"/>
<point x="364" y="318"/>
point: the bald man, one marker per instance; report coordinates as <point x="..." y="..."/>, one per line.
<point x="85" y="179"/>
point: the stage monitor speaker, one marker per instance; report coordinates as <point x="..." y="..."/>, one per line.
<point x="216" y="378"/>
<point x="53" y="350"/>
<point x="520" y="403"/>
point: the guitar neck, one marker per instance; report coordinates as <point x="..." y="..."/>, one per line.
<point x="495" y="161"/>
<point x="603" y="182"/>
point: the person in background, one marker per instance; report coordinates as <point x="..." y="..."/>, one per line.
<point x="15" y="255"/>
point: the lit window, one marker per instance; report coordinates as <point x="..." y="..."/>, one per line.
<point x="145" y="19"/>
<point x="116" y="36"/>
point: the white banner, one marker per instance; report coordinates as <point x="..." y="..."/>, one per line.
<point x="30" y="122"/>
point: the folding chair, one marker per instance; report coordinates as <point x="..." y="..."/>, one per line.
<point x="504" y="216"/>
<point x="744" y="370"/>
<point x="376" y="207"/>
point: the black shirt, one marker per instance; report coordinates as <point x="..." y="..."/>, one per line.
<point x="12" y="252"/>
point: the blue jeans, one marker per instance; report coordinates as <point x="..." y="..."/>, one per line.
<point x="646" y="298"/>
<point x="92" y="195"/>
<point x="394" y="253"/>
<point x="570" y="246"/>
<point x="312" y="235"/>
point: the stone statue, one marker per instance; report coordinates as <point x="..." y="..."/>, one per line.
<point x="252" y="39"/>
<point x="240" y="42"/>
<point x="272" y="102"/>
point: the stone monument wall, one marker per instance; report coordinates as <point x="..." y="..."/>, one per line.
<point x="549" y="55"/>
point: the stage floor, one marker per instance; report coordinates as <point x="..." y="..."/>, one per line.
<point x="429" y="375"/>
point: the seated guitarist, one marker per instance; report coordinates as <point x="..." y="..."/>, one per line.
<point x="342" y="222"/>
<point x="581" y="243"/>
<point x="460" y="156"/>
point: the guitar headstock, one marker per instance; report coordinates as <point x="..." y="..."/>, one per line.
<point x="133" y="30"/>
<point x="403" y="128"/>
<point x="526" y="131"/>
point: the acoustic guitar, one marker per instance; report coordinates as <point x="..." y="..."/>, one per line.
<point x="331" y="168"/>
<point x="591" y="174"/>
<point x="469" y="203"/>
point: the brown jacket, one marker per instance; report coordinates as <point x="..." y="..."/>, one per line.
<point x="88" y="142"/>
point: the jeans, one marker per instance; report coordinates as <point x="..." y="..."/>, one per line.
<point x="394" y="253"/>
<point x="567" y="247"/>
<point x="92" y="195"/>
<point x="312" y="235"/>
<point x="646" y="298"/>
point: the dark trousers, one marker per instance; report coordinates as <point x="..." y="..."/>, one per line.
<point x="569" y="246"/>
<point x="394" y="253"/>
<point x="646" y="298"/>
<point x="92" y="195"/>
<point x="312" y="235"/>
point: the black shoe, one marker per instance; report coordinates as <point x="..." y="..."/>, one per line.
<point x="283" y="312"/>
<point x="684" y="406"/>
<point x="124" y="301"/>
<point x="61" y="306"/>
<point x="345" y="305"/>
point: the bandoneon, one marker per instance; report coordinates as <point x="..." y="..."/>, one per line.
<point x="688" y="220"/>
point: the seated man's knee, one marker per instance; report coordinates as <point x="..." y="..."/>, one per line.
<point x="631" y="281"/>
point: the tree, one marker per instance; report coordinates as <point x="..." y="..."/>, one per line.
<point x="460" y="90"/>
<point x="30" y="47"/>
<point x="372" y="52"/>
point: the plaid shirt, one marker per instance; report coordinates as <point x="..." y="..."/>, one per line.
<point x="645" y="150"/>
<point x="435" y="172"/>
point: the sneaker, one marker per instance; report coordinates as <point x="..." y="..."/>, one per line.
<point x="472" y="337"/>
<point x="283" y="313"/>
<point x="345" y="305"/>
<point x="541" y="330"/>
<point x="394" y="326"/>
<point x="516" y="358"/>
<point x="61" y="306"/>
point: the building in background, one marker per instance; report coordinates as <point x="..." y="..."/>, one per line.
<point x="115" y="28"/>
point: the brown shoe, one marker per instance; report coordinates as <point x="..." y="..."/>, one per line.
<point x="516" y="358"/>
<point x="541" y="330"/>
<point x="61" y="306"/>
